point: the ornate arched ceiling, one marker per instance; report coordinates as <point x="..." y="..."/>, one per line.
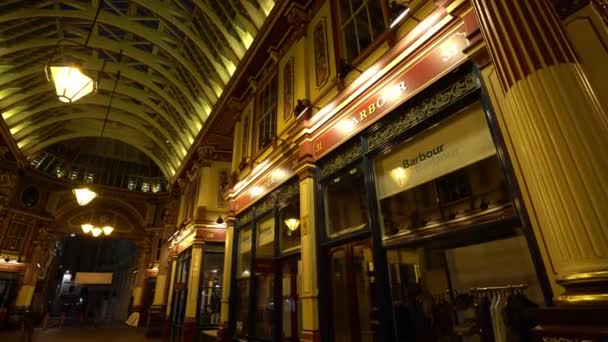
<point x="177" y="57"/>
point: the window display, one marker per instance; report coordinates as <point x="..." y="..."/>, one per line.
<point x="211" y="285"/>
<point x="264" y="273"/>
<point x="346" y="202"/>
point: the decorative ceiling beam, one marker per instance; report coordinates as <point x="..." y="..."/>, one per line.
<point x="117" y="21"/>
<point x="21" y="98"/>
<point x="95" y="114"/>
<point x="165" y="169"/>
<point x="109" y="45"/>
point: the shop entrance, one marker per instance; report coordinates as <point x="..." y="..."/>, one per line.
<point x="180" y="294"/>
<point x="354" y="311"/>
<point x="290" y="300"/>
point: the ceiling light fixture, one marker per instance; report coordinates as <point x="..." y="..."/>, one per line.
<point x="71" y="84"/>
<point x="107" y="230"/>
<point x="84" y="195"/>
<point x="96" y="231"/>
<point x="86" y="228"/>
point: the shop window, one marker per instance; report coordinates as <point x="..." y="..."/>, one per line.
<point x="211" y="285"/>
<point x="289" y="221"/>
<point x="465" y="192"/>
<point x="264" y="272"/>
<point x="346" y="202"/>
<point x="437" y="282"/>
<point x="243" y="273"/>
<point x="266" y="120"/>
<point x="361" y="22"/>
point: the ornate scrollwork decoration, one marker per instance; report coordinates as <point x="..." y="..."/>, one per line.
<point x="419" y="112"/>
<point x="342" y="159"/>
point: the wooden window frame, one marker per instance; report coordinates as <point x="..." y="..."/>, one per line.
<point x="340" y="54"/>
<point x="257" y="116"/>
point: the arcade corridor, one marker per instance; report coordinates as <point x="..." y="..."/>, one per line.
<point x="304" y="170"/>
<point x="101" y="334"/>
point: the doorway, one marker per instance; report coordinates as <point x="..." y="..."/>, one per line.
<point x="354" y="311"/>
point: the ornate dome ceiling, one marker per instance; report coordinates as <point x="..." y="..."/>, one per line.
<point x="177" y="57"/>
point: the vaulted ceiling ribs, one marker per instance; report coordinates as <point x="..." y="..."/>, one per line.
<point x="177" y="57"/>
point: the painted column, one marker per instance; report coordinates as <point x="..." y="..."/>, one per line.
<point x="308" y="274"/>
<point x="189" y="327"/>
<point x="157" y="310"/>
<point x="556" y="132"/>
<point x="140" y="278"/>
<point x="223" y="332"/>
<point x="30" y="277"/>
<point x="167" y="320"/>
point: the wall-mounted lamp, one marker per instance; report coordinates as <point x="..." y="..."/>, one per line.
<point x="303" y="109"/>
<point x="219" y="220"/>
<point x="292" y="224"/>
<point x="344" y="67"/>
<point x="398" y="13"/>
<point x="246" y="161"/>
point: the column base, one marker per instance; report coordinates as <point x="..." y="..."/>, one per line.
<point x="589" y="288"/>
<point x="571" y="323"/>
<point x="223" y="332"/>
<point x="155" y="323"/>
<point x="189" y="330"/>
<point x="310" y="336"/>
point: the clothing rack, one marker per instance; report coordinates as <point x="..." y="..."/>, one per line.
<point x="499" y="288"/>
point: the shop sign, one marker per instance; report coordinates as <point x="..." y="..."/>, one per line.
<point x="265" y="184"/>
<point x="407" y="81"/>
<point x="90" y="278"/>
<point x="457" y="142"/>
<point x="212" y="234"/>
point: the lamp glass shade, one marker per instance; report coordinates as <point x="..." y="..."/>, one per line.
<point x="86" y="228"/>
<point x="292" y="224"/>
<point x="401" y="14"/>
<point x="70" y="83"/>
<point x="107" y="230"/>
<point x="96" y="231"/>
<point x="84" y="195"/>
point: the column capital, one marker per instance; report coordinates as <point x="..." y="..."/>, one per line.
<point x="306" y="170"/>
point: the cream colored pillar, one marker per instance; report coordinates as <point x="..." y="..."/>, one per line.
<point x="557" y="133"/>
<point x="140" y="279"/>
<point x="156" y="313"/>
<point x="227" y="279"/>
<point x="173" y="262"/>
<point x="309" y="290"/>
<point x="160" y="291"/>
<point x="189" y="325"/>
<point x="30" y="277"/>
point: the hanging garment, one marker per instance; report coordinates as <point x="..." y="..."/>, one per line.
<point x="516" y="314"/>
<point x="501" y="329"/>
<point x="493" y="304"/>
<point x="484" y="319"/>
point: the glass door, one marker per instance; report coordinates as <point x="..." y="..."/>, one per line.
<point x="353" y="304"/>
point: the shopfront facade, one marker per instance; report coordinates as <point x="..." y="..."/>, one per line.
<point x="412" y="213"/>
<point x="412" y="203"/>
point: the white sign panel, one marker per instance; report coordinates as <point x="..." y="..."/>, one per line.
<point x="460" y="141"/>
<point x="83" y="278"/>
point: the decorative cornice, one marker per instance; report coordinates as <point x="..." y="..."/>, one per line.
<point x="565" y="8"/>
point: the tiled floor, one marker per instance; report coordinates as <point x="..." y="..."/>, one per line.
<point x="102" y="334"/>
